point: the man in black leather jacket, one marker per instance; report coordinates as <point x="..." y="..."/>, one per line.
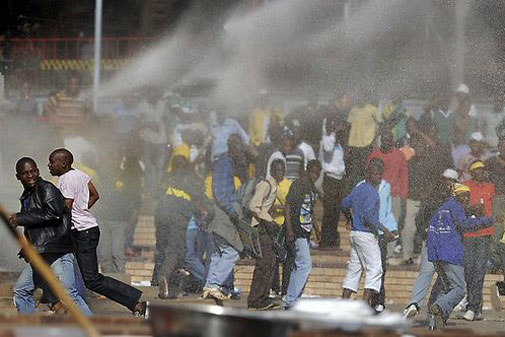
<point x="46" y="222"/>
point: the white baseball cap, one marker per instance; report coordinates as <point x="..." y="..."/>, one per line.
<point x="451" y="174"/>
<point x="477" y="136"/>
<point x="463" y="88"/>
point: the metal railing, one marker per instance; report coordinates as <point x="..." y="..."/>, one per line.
<point x="78" y="48"/>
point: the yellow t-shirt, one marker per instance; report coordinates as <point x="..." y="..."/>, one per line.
<point x="208" y="186"/>
<point x="363" y="124"/>
<point x="259" y="121"/>
<point x="282" y="192"/>
<point x="181" y="150"/>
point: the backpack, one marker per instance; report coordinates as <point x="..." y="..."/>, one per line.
<point x="246" y="193"/>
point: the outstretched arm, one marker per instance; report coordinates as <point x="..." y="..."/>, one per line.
<point x="93" y="195"/>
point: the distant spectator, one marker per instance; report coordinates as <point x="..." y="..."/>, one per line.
<point x="290" y="155"/>
<point x="331" y="155"/>
<point x="364" y="119"/>
<point x="127" y="117"/>
<point x="477" y="147"/>
<point x="221" y="127"/>
<point x="68" y="110"/>
<point x="153" y="135"/>
<point x="262" y="118"/>
<point x="464" y="116"/>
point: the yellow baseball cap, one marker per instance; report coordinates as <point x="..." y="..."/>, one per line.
<point x="476" y="165"/>
<point x="460" y="188"/>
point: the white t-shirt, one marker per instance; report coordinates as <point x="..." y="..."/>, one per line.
<point x="308" y="153"/>
<point x="74" y="185"/>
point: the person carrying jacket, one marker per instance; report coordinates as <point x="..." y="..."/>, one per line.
<point x="46" y="222"/>
<point x="223" y="227"/>
<point x="445" y="250"/>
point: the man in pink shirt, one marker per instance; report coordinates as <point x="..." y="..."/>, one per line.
<point x="80" y="195"/>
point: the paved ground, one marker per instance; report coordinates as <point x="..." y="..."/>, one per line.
<point x="493" y="322"/>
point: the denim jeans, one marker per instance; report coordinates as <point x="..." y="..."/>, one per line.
<point x="423" y="280"/>
<point x="409" y="228"/>
<point x="300" y="274"/>
<point x="449" y="289"/>
<point x="63" y="269"/>
<point x="222" y="261"/>
<point x="197" y="243"/>
<point x="477" y="252"/>
<point x="122" y="293"/>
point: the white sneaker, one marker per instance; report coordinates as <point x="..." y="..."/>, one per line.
<point x="469" y="315"/>
<point x="462" y="305"/>
<point x="410" y="311"/>
<point x="398" y="249"/>
<point x="379" y="308"/>
<point x="495" y="297"/>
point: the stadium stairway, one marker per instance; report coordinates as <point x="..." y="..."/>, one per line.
<point x="325" y="280"/>
<point x="326" y="277"/>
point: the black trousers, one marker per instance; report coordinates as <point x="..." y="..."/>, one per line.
<point x="383" y="246"/>
<point x="85" y="245"/>
<point x="334" y="191"/>
<point x="476" y="256"/>
<point x="263" y="270"/>
<point x="171" y="230"/>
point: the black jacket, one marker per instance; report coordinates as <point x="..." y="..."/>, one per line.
<point x="45" y="218"/>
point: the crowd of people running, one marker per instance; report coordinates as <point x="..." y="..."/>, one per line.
<point x="429" y="189"/>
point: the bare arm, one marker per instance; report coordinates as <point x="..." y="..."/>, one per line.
<point x="289" y="227"/>
<point x="93" y="195"/>
<point x="69" y="203"/>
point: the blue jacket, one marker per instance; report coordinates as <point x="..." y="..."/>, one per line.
<point x="223" y="187"/>
<point x="444" y="241"/>
<point x="364" y="201"/>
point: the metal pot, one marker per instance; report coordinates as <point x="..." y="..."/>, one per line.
<point x="196" y="320"/>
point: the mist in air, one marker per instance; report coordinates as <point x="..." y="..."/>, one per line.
<point x="377" y="49"/>
<point x="291" y="46"/>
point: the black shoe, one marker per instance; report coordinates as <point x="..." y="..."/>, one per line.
<point x="501" y="287"/>
<point x="265" y="305"/>
<point x="408" y="262"/>
<point x="141" y="310"/>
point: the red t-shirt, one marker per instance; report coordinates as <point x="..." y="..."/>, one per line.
<point x="395" y="171"/>
<point x="481" y="193"/>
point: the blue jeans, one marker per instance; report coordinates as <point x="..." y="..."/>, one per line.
<point x="423" y="280"/>
<point x="63" y="269"/>
<point x="222" y="261"/>
<point x="300" y="274"/>
<point x="449" y="289"/>
<point x="197" y="242"/>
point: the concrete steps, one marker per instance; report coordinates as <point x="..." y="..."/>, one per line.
<point x="327" y="275"/>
